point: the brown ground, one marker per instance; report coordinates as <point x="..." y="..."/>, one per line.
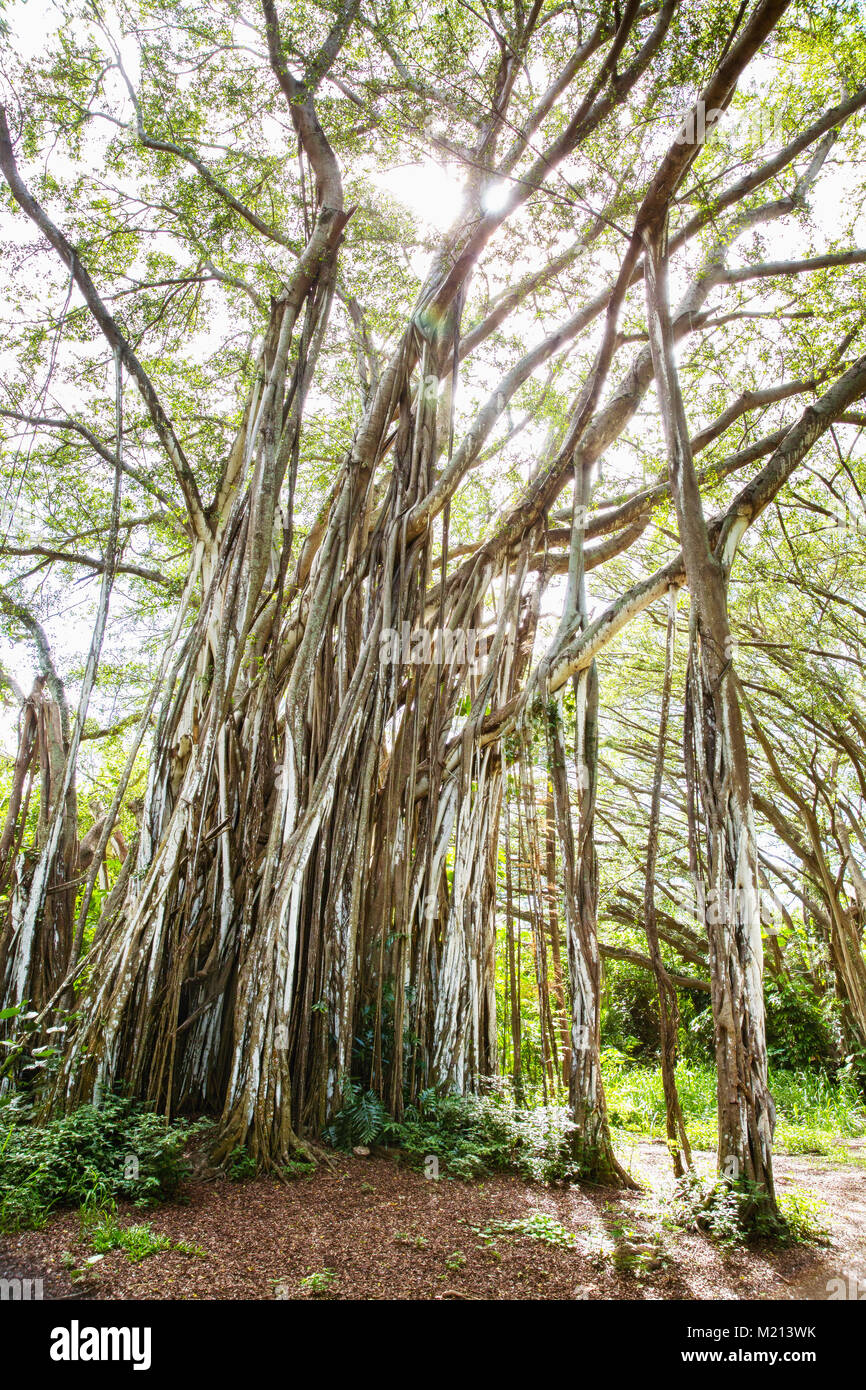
<point x="361" y="1220"/>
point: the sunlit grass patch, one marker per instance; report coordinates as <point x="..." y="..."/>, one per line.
<point x="815" y="1114"/>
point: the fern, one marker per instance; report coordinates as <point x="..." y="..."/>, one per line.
<point x="368" y="1118"/>
<point x="363" y="1118"/>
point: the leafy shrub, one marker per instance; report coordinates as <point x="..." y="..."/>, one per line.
<point x="240" y="1165"/>
<point x="363" y="1119"/>
<point x="713" y="1206"/>
<point x="800" y="1029"/>
<point x="727" y="1211"/>
<point x="471" y="1136"/>
<point x="537" y="1226"/>
<point x="118" y="1149"/>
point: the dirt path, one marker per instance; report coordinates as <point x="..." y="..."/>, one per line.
<point x="386" y="1232"/>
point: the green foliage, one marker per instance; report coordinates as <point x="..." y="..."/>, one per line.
<point x="216" y="100"/>
<point x="32" y="1063"/>
<point x="363" y="1119"/>
<point x="814" y="1113"/>
<point x="630" y="1011"/>
<point x="137" y="1241"/>
<point x="317" y="1284"/>
<point x="711" y="1206"/>
<point x="298" y="1168"/>
<point x="537" y="1226"/>
<point x="374" y="1033"/>
<point x="799" y="1026"/>
<point x="101" y="1229"/>
<point x="117" y="1149"/>
<point x="240" y="1165"/>
<point x="470" y="1136"/>
<point x="804" y="1216"/>
<point x="80" y="1273"/>
<point x="733" y="1213"/>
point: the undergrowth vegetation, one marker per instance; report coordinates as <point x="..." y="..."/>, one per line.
<point x="473" y="1136"/>
<point x="725" y="1210"/>
<point x="101" y="1229"/>
<point x="117" y="1150"/>
<point x="122" y="1151"/>
<point x="468" y="1136"/>
<point x="815" y="1113"/>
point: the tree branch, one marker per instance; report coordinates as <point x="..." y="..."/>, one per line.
<point x="109" y="329"/>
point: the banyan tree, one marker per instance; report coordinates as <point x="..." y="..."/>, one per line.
<point x="408" y="485"/>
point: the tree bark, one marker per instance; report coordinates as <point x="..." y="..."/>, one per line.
<point x="717" y="760"/>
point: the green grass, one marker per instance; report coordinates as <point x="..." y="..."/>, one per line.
<point x="101" y="1229"/>
<point x="815" y="1115"/>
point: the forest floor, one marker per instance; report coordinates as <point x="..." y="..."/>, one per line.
<point x="371" y="1228"/>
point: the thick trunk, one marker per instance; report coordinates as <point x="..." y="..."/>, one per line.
<point x="302" y="863"/>
<point x="717" y="760"/>
<point x="732" y="915"/>
<point x="190" y="1001"/>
